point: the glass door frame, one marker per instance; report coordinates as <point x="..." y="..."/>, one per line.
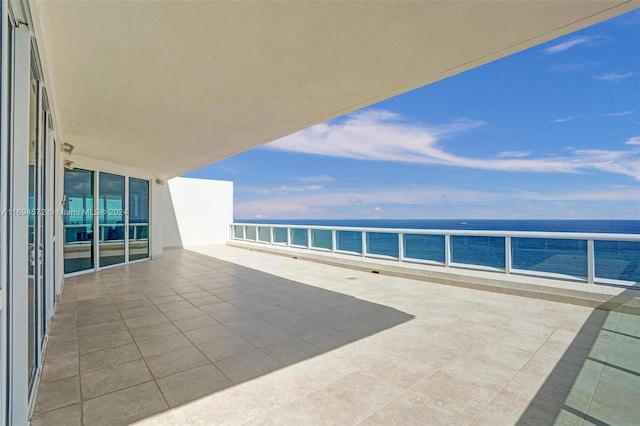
<point x="129" y="224"/>
<point x="16" y="138"/>
<point x="86" y="211"/>
<point x="39" y="212"/>
<point x="96" y="222"/>
<point x="22" y="76"/>
<point x="6" y="28"/>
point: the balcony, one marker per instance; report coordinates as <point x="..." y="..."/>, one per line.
<point x="223" y="335"/>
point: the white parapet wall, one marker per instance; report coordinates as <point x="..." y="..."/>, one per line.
<point x="197" y="211"/>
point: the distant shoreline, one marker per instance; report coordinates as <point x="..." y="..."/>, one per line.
<point x="621" y="226"/>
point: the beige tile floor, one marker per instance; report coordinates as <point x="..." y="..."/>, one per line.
<point x="222" y="335"/>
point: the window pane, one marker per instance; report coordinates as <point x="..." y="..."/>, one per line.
<point x="280" y="235"/>
<point x="349" y="241"/>
<point x="299" y="237"/>
<point x="618" y="260"/>
<point x="264" y="234"/>
<point x="111" y="235"/>
<point x="321" y="238"/>
<point x="78" y="220"/>
<point x="481" y="251"/>
<point x="424" y="247"/>
<point x="567" y="257"/>
<point x="138" y="219"/>
<point x="382" y="243"/>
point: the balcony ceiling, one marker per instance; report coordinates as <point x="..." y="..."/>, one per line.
<point x="171" y="86"/>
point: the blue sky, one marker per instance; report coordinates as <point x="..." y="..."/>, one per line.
<point x="552" y="132"/>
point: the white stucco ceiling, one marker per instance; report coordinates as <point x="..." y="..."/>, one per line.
<point x="169" y="86"/>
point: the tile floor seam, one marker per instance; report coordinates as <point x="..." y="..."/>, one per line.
<point x="593" y="394"/>
<point x="212" y="363"/>
<point x="440" y="369"/>
<point x="75" y="310"/>
<point x="39" y="413"/>
<point x="409" y="389"/>
<point x="495" y="396"/>
<point x="519" y="371"/>
<point x="81" y="404"/>
<point x="303" y="280"/>
<point x="153" y="379"/>
<point x="83" y="401"/>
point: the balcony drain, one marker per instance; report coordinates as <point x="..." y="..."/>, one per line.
<point x="375" y="272"/>
<point x="351" y="278"/>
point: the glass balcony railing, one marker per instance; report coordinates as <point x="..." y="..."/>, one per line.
<point x="593" y="258"/>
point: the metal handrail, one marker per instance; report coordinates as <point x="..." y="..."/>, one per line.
<point x="102" y="226"/>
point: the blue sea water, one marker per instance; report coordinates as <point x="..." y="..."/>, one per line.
<point x="598" y="226"/>
<point x="619" y="260"/>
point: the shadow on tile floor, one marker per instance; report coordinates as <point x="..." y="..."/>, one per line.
<point x="597" y="380"/>
<point x="131" y="342"/>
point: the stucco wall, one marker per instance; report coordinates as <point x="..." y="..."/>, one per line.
<point x="197" y="211"/>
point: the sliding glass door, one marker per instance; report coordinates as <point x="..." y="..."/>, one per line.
<point x="78" y="221"/>
<point x="39" y="237"/>
<point x="112" y="226"/>
<point x="119" y="217"/>
<point x="138" y="219"/>
<point x="35" y="233"/>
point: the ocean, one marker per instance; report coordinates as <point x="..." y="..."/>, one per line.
<point x="598" y="226"/>
<point x="614" y="260"/>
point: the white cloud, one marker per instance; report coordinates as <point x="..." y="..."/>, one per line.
<point x="634" y="140"/>
<point x="374" y="135"/>
<point x="314" y="179"/>
<point x="378" y="209"/>
<point x="574" y="66"/>
<point x="561" y="47"/>
<point x="571" y="66"/>
<point x="513" y="154"/>
<point x="619" y="114"/>
<point x="304" y="188"/>
<point x="613" y="76"/>
<point x="563" y="119"/>
<point x="424" y="200"/>
<point x="385" y="136"/>
<point x="609" y="114"/>
<point x="355" y="200"/>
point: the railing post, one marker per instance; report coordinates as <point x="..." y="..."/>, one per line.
<point x="447" y="250"/>
<point x="309" y="238"/>
<point x="244" y="233"/>
<point x="507" y="254"/>
<point x="288" y="237"/>
<point x="400" y="246"/>
<point x="333" y="240"/>
<point x="591" y="262"/>
<point x="271" y="235"/>
<point x="364" y="243"/>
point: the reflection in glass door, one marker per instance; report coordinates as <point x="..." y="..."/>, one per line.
<point x="112" y="229"/>
<point x="34" y="233"/>
<point x="78" y="221"/>
<point x="36" y="278"/>
<point x="120" y="218"/>
<point x="138" y="219"/>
